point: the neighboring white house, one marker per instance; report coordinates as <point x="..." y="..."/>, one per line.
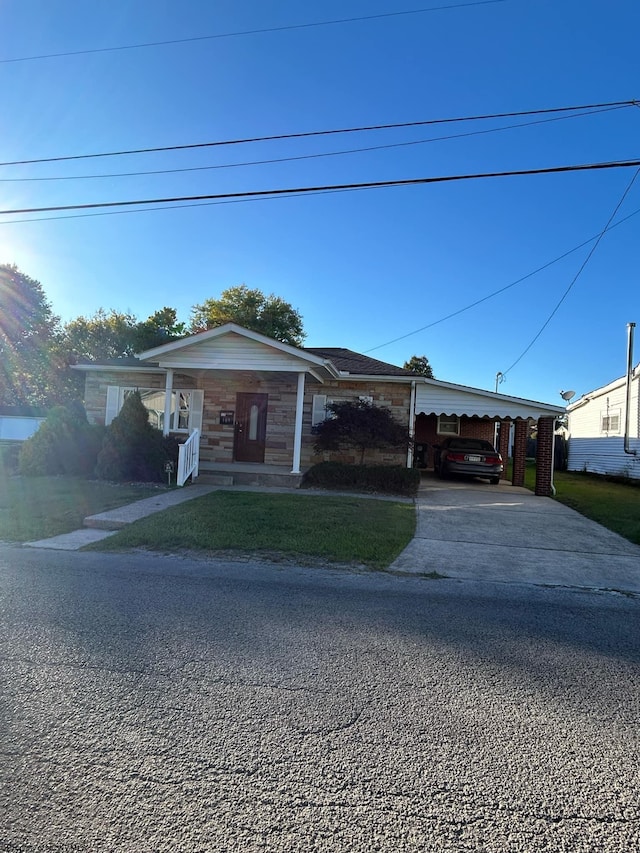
<point x="18" y="423"/>
<point x="597" y="424"/>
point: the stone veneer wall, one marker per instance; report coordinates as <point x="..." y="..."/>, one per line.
<point x="220" y="389"/>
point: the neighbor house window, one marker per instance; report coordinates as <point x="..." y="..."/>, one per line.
<point x="610" y="423"/>
<point x="448" y="425"/>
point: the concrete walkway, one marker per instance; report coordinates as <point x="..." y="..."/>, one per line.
<point x="474" y="531"/>
<point x="107" y="523"/>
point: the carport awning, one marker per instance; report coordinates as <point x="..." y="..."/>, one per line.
<point x="444" y="398"/>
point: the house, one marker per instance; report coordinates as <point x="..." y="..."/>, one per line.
<point x="247" y="405"/>
<point x="604" y="436"/>
<point x="18" y="423"/>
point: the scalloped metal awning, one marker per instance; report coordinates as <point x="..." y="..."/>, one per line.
<point x="444" y="398"/>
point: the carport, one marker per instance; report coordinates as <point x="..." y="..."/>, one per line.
<point x="443" y="408"/>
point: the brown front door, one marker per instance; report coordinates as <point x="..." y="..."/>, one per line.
<point x="251" y="427"/>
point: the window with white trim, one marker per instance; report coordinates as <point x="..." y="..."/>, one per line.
<point x="610" y="422"/>
<point x="318" y="409"/>
<point x="448" y="425"/>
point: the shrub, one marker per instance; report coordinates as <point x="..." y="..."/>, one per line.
<point x="132" y="449"/>
<point x="390" y="479"/>
<point x="362" y="426"/>
<point x="65" y="443"/>
<point x="9" y="453"/>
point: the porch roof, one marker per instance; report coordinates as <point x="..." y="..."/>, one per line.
<point x="434" y="397"/>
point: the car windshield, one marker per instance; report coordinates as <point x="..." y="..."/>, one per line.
<point x="471" y="444"/>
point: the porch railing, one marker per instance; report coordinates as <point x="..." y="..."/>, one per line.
<point x="189" y="458"/>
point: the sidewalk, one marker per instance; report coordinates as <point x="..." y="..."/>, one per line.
<point x="105" y="524"/>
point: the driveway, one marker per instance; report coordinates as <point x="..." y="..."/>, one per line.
<point x="472" y="530"/>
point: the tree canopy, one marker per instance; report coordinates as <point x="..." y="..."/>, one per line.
<point x="114" y="334"/>
<point x="419" y="364"/>
<point x="29" y="362"/>
<point x="270" y="315"/>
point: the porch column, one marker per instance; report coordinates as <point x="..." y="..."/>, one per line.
<point x="168" y="388"/>
<point x="544" y="457"/>
<point x="519" y="451"/>
<point x="297" y="431"/>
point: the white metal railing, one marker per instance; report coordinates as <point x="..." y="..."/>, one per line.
<point x="189" y="458"/>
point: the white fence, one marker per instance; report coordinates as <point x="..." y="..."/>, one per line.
<point x="189" y="458"/>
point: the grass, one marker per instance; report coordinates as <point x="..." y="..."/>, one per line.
<point x="38" y="507"/>
<point x="336" y="529"/>
<point x="612" y="503"/>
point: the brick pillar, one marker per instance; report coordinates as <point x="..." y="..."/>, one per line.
<point x="544" y="471"/>
<point x="503" y="441"/>
<point x="521" y="431"/>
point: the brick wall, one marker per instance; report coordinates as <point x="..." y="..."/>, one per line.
<point x="427" y="432"/>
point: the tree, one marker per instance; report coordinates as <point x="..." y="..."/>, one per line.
<point x="269" y="315"/>
<point x="115" y="334"/>
<point x="419" y="364"/>
<point x="29" y="364"/>
<point x="360" y="425"/>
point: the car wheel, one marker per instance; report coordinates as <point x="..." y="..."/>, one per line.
<point x="494" y="481"/>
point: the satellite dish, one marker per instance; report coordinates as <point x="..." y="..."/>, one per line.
<point x="567" y="395"/>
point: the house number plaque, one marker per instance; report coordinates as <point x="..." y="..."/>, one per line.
<point x="227" y="418"/>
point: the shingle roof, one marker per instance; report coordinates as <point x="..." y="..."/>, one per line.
<point x="354" y="362"/>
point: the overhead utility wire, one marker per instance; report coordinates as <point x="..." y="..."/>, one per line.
<point x="620" y="164"/>
<point x="275" y="160"/>
<point x="495" y="292"/>
<point x="311" y="133"/>
<point x="575" y="278"/>
<point x="250" y="32"/>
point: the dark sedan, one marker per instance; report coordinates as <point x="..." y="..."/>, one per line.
<point x="472" y="456"/>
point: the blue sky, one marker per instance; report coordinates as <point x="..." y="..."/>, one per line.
<point x="364" y="268"/>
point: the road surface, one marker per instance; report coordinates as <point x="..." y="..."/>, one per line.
<point x="152" y="703"/>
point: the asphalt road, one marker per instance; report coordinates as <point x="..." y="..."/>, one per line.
<point x="155" y="704"/>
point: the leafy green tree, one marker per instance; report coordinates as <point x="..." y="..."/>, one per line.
<point x="419" y="364"/>
<point x="270" y="315"/>
<point x="114" y="334"/>
<point x="362" y="426"/>
<point x="30" y="367"/>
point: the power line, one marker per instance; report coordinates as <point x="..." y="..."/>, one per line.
<point x="501" y="289"/>
<point x="620" y="164"/>
<point x="262" y="30"/>
<point x="312" y="133"/>
<point x="292" y="159"/>
<point x="575" y="278"/>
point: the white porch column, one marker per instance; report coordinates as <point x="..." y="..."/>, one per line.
<point x="168" y="388"/>
<point x="412" y="424"/>
<point x="297" y="432"/>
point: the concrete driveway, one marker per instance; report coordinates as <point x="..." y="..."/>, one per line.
<point x="472" y="530"/>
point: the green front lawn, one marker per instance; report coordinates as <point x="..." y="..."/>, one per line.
<point x="614" y="504"/>
<point x="38" y="507"/>
<point x="337" y="529"/>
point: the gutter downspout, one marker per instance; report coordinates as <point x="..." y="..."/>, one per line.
<point x="412" y="423"/>
<point x="630" y="329"/>
<point x="553" y="457"/>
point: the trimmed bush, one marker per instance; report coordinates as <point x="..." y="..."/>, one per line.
<point x="65" y="443"/>
<point x="388" y="479"/>
<point x="133" y="450"/>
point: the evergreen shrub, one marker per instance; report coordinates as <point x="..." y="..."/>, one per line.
<point x="133" y="450"/>
<point x="65" y="443"/>
<point x="388" y="479"/>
